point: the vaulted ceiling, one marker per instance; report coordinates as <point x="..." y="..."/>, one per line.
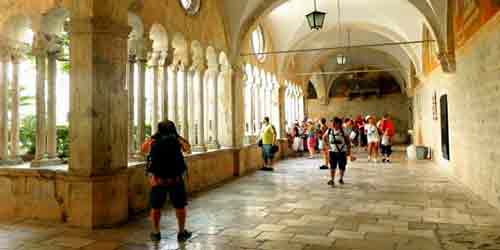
<point x="370" y="21"/>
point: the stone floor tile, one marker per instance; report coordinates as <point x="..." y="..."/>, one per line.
<point x="281" y="245"/>
<point x="313" y="240"/>
<point x="338" y="234"/>
<point x="270" y="228"/>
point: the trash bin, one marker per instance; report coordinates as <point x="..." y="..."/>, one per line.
<point x="422" y="152"/>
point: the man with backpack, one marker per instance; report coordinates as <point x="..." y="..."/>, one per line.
<point x="339" y="146"/>
<point x="166" y="170"/>
<point x="386" y="127"/>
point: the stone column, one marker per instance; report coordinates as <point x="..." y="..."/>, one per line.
<point x="51" y="105"/>
<point x="213" y="77"/>
<point x="174" y="110"/>
<point x="200" y="121"/>
<point x="4" y="59"/>
<point x="131" y="104"/>
<point x="257" y="103"/>
<point x="183" y="100"/>
<point x="39" y="50"/>
<point x="156" y="86"/>
<point x="141" y="101"/>
<point x="14" y="119"/>
<point x="98" y="164"/>
<point x="164" y="85"/>
<point x="191" y="104"/>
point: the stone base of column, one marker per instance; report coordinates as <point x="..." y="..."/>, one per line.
<point x="46" y="162"/>
<point x="138" y="156"/>
<point x="199" y="148"/>
<point x="11" y="162"/>
<point x="213" y="145"/>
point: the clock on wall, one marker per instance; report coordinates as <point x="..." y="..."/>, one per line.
<point x="191" y="7"/>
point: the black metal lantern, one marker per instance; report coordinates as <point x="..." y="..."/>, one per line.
<point x="341" y="59"/>
<point x="316" y="19"/>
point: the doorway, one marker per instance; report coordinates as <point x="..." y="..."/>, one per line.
<point x="445" y="133"/>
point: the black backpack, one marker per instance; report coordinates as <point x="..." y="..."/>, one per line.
<point x="165" y="159"/>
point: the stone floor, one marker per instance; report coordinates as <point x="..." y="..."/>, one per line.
<point x="399" y="206"/>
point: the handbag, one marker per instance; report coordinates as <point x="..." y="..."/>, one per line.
<point x="275" y="149"/>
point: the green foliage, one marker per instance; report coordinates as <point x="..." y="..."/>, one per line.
<point x="28" y="134"/>
<point x="63" y="142"/>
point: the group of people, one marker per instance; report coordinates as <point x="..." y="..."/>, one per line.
<point x="376" y="137"/>
<point x="166" y="168"/>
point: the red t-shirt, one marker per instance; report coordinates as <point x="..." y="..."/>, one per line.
<point x="387" y="125"/>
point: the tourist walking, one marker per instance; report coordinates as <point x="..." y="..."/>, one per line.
<point x="387" y="129"/>
<point x="267" y="143"/>
<point x="339" y="149"/>
<point x="166" y="170"/>
<point x="324" y="145"/>
<point x="312" y="139"/>
<point x="373" y="138"/>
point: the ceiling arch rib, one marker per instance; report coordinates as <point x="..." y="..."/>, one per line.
<point x="361" y="33"/>
<point x="403" y="17"/>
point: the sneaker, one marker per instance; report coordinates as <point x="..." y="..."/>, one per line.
<point x="184" y="236"/>
<point x="331" y="183"/>
<point x="323" y="167"/>
<point x="341" y="181"/>
<point x="155" y="237"/>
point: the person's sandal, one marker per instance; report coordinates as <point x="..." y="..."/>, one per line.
<point x="331" y="183"/>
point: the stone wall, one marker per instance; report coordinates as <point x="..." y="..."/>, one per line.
<point x="60" y="197"/>
<point x="474" y="110"/>
<point x="394" y="104"/>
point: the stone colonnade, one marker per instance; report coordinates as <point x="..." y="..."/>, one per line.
<point x="261" y="99"/>
<point x="186" y="84"/>
<point x="294" y="104"/>
<point x="46" y="50"/>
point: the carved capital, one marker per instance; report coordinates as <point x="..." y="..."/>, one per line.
<point x="40" y="44"/>
<point x="448" y="62"/>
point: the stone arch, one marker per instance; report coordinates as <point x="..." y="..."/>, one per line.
<point x="212" y="59"/>
<point x="159" y="36"/>
<point x="311" y="91"/>
<point x="267" y="6"/>
<point x="180" y="46"/>
<point x="135" y="22"/>
<point x="54" y="21"/>
<point x="19" y="29"/>
<point x="224" y="61"/>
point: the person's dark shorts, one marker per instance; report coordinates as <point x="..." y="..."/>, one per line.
<point x="177" y="193"/>
<point x="386" y="150"/>
<point x="267" y="152"/>
<point x="338" y="160"/>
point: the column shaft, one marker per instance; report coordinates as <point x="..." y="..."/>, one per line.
<point x="213" y="78"/>
<point x="141" y="99"/>
<point x="183" y="100"/>
<point x="155" y="102"/>
<point x="3" y="107"/>
<point x="164" y="89"/>
<point x="14" y="123"/>
<point x="131" y="104"/>
<point x="41" y="134"/>
<point x="174" y="111"/>
<point x="191" y="105"/>
<point x="200" y="121"/>
<point x="51" y="106"/>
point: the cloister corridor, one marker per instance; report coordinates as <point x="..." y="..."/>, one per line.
<point x="403" y="206"/>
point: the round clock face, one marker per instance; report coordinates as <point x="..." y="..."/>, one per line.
<point x="191" y="6"/>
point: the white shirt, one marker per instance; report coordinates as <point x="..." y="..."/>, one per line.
<point x="372" y="133"/>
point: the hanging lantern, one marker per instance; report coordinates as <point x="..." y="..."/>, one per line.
<point x="316" y="19"/>
<point x="341" y="59"/>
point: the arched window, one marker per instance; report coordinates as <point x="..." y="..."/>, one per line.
<point x="311" y="91"/>
<point x="191" y="6"/>
<point x="258" y="43"/>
